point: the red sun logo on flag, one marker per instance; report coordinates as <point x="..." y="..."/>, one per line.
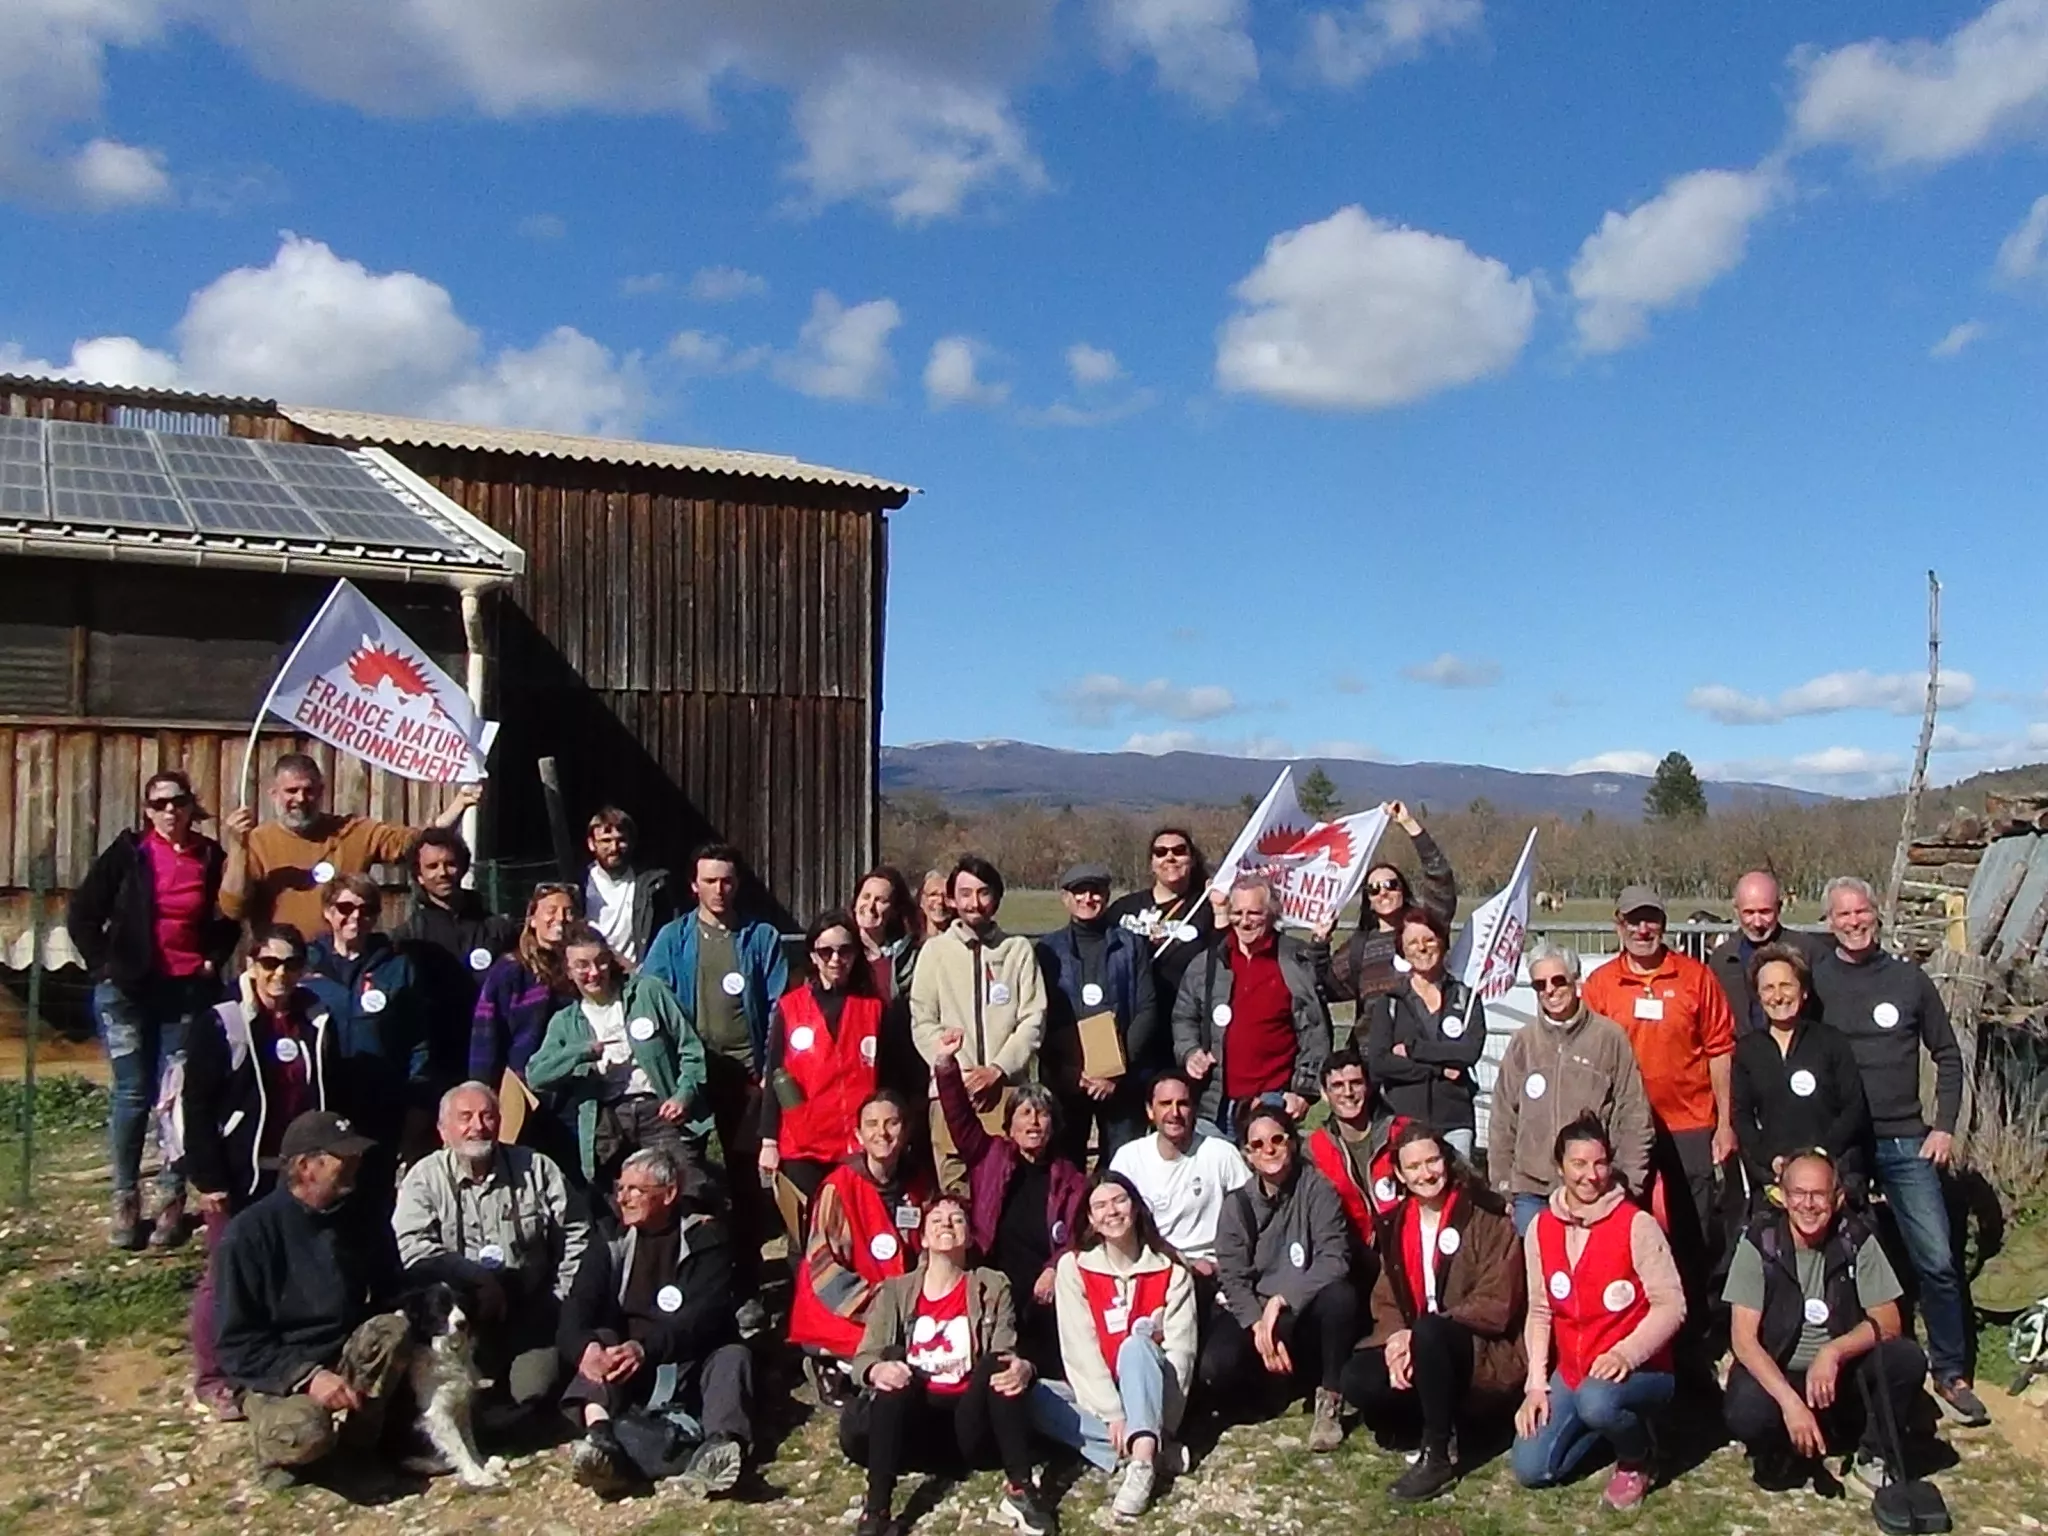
<point x="372" y="664"/>
<point x="1285" y="843"/>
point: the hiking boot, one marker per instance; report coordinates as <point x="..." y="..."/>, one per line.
<point x="1627" y="1488"/>
<point x="829" y="1381"/>
<point x="1871" y="1470"/>
<point x="877" y="1523"/>
<point x="600" y="1463"/>
<point x="1020" y="1509"/>
<point x="220" y="1400"/>
<point x="124" y="1226"/>
<point x="751" y="1317"/>
<point x="1780" y="1470"/>
<point x="1962" y="1404"/>
<point x="1433" y="1473"/>
<point x="1327" y="1432"/>
<point x="1134" y="1493"/>
<point x="170" y="1230"/>
<point x="714" y="1467"/>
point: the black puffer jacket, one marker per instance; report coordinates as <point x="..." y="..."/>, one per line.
<point x="112" y="914"/>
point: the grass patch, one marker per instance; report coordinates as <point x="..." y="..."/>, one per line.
<point x="142" y="1300"/>
<point x="66" y="1104"/>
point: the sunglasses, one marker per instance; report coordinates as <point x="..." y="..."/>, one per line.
<point x="835" y="951"/>
<point x="270" y="963"/>
<point x="1266" y="1143"/>
<point x="1178" y="851"/>
<point x="1382" y="887"/>
<point x="349" y="908"/>
<point x="1551" y="983"/>
<point x="175" y="802"/>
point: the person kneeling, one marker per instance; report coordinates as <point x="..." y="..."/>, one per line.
<point x="1126" y="1307"/>
<point x="1605" y="1302"/>
<point x="1289" y="1316"/>
<point x="1814" y="1304"/>
<point x="648" y="1329"/>
<point x="939" y="1369"/>
<point x="1447" y="1312"/>
<point x="301" y="1275"/>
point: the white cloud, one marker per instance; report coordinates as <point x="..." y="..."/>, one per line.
<point x="640" y="284"/>
<point x="1831" y="770"/>
<point x="543" y="226"/>
<point x="1346" y="46"/>
<point x="52" y="57"/>
<point x="1265" y="748"/>
<point x="1451" y="671"/>
<point x="921" y="146"/>
<point x="101" y="360"/>
<point x="110" y="175"/>
<point x="1625" y="761"/>
<point x="951" y="375"/>
<point x="1926" y="103"/>
<point x="1201" y="48"/>
<point x="2021" y="254"/>
<point x="1957" y="338"/>
<point x="1354" y="314"/>
<point x="1068" y="413"/>
<point x="1899" y="693"/>
<point x="1665" y="252"/>
<point x="705" y="353"/>
<point x="314" y="328"/>
<point x="1101" y="699"/>
<point x="842" y="353"/>
<point x="721" y="285"/>
<point x="1091" y="367"/>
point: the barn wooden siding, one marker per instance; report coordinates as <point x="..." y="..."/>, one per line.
<point x="704" y="650"/>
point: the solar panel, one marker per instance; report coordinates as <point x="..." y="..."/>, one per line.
<point x="22" y="493"/>
<point x="111" y="476"/>
<point x="335" y="487"/>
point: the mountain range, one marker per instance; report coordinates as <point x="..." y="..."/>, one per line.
<point x="993" y="772"/>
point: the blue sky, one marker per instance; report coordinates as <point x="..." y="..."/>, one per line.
<point x="1470" y="380"/>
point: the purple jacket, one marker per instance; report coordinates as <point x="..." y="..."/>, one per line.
<point x="512" y="1012"/>
<point x="991" y="1160"/>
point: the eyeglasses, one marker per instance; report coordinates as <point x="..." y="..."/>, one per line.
<point x="349" y="908"/>
<point x="271" y="963"/>
<point x="641" y="1191"/>
<point x="1177" y="851"/>
<point x="1266" y="1143"/>
<point x="175" y="802"/>
<point x="1551" y="983"/>
<point x="1382" y="887"/>
<point x="835" y="951"/>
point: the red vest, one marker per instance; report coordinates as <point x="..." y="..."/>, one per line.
<point x="836" y="1075"/>
<point x="882" y="1250"/>
<point x="1438" y="1258"/>
<point x="1145" y="1297"/>
<point x="1363" y="1206"/>
<point x="1598" y="1303"/>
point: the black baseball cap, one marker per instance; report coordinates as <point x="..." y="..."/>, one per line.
<point x="322" y="1130"/>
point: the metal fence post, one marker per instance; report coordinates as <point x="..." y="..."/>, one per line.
<point x="42" y="874"/>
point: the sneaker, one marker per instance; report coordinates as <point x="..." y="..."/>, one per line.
<point x="170" y="1230"/>
<point x="220" y="1400"/>
<point x="1020" y="1510"/>
<point x="1871" y="1470"/>
<point x="1627" y="1488"/>
<point x="751" y="1317"/>
<point x="1434" y="1473"/>
<point x="1327" y="1432"/>
<point x="599" y="1463"/>
<point x="714" y="1467"/>
<point x="1962" y="1404"/>
<point x="828" y="1379"/>
<point x="1134" y="1493"/>
<point x="124" y="1226"/>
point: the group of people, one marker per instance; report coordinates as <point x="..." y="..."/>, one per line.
<point x="1061" y="1189"/>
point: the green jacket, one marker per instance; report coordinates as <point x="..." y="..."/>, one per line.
<point x="672" y="1057"/>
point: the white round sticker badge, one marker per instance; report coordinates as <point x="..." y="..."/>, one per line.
<point x="867" y="1050"/>
<point x="1454" y="1028"/>
<point x="323" y="872"/>
<point x="374" y="1001"/>
<point x="732" y="983"/>
<point x="1803" y="1083"/>
<point x="1091" y="995"/>
<point x="669" y="1299"/>
<point x="802" y="1037"/>
<point x="1448" y="1241"/>
<point x="1535" y="1085"/>
<point x="285" y="1049"/>
<point x="491" y="1256"/>
<point x="1560" y="1285"/>
<point x="641" y="1029"/>
<point x="1401" y="966"/>
<point x="1619" y="1296"/>
<point x="883" y="1246"/>
<point x="999" y="993"/>
<point x="1221" y="1014"/>
<point x="1058" y="1233"/>
<point x="1885" y="1015"/>
<point x="1297" y="1255"/>
<point x="479" y="959"/>
<point x="1384" y="1191"/>
<point x="1815" y="1311"/>
<point x="1186" y="933"/>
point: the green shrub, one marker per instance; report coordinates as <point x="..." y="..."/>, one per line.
<point x="64" y="1104"/>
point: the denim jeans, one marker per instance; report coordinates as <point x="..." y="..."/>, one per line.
<point x="1527" y="1209"/>
<point x="143" y="1030"/>
<point x="1143" y="1380"/>
<point x="1912" y="1188"/>
<point x="1581" y="1419"/>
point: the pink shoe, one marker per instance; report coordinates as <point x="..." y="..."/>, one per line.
<point x="1627" y="1488"/>
<point x="220" y="1400"/>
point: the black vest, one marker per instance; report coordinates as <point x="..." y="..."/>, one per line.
<point x="1784" y="1301"/>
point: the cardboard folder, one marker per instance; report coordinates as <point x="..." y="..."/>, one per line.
<point x="1102" y="1052"/>
<point x="515" y="1102"/>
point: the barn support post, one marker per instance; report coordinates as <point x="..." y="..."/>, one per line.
<point x="473" y="686"/>
<point x="42" y="874"/>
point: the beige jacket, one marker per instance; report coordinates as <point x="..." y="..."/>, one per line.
<point x="991" y="1319"/>
<point x="990" y="989"/>
<point x="1576" y="1068"/>
<point x="1081" y="1346"/>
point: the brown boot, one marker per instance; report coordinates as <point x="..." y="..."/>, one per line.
<point x="124" y="1227"/>
<point x="1327" y="1432"/>
<point x="170" y="1230"/>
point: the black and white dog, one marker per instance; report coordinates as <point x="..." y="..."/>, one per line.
<point x="445" y="1383"/>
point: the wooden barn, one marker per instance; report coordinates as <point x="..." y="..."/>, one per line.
<point x="693" y="634"/>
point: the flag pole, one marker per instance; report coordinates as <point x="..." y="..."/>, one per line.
<point x="249" y="752"/>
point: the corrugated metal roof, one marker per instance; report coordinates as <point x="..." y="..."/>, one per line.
<point x="367" y="427"/>
<point x="185" y="399"/>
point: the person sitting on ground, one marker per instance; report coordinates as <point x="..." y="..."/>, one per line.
<point x="251" y="1069"/>
<point x="1814" y="1304"/>
<point x="942" y="1382"/>
<point x="1605" y="1302"/>
<point x="1571" y="1062"/>
<point x="1095" y="969"/>
<point x="306" y="1280"/>
<point x="499" y="1224"/>
<point x="1371" y="963"/>
<point x="866" y="1222"/>
<point x="648" y="1324"/>
<point x="1424" y="1037"/>
<point x="1796" y="1081"/>
<point x="1249" y="1019"/>
<point x="1025" y="1199"/>
<point x="1447" y="1312"/>
<point x="1289" y="1315"/>
<point x="1355" y="1152"/>
<point x="1184" y="1174"/>
<point x="625" y="1062"/>
<point x="822" y="1046"/>
<point x="1126" y="1306"/>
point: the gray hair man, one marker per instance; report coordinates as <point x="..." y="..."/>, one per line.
<point x="1759" y="920"/>
<point x="500" y="1225"/>
<point x="1890" y="1012"/>
<point x="1249" y="1020"/>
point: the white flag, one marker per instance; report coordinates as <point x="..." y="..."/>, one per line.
<point x="1316" y="866"/>
<point x="356" y="681"/>
<point x="1488" y="953"/>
